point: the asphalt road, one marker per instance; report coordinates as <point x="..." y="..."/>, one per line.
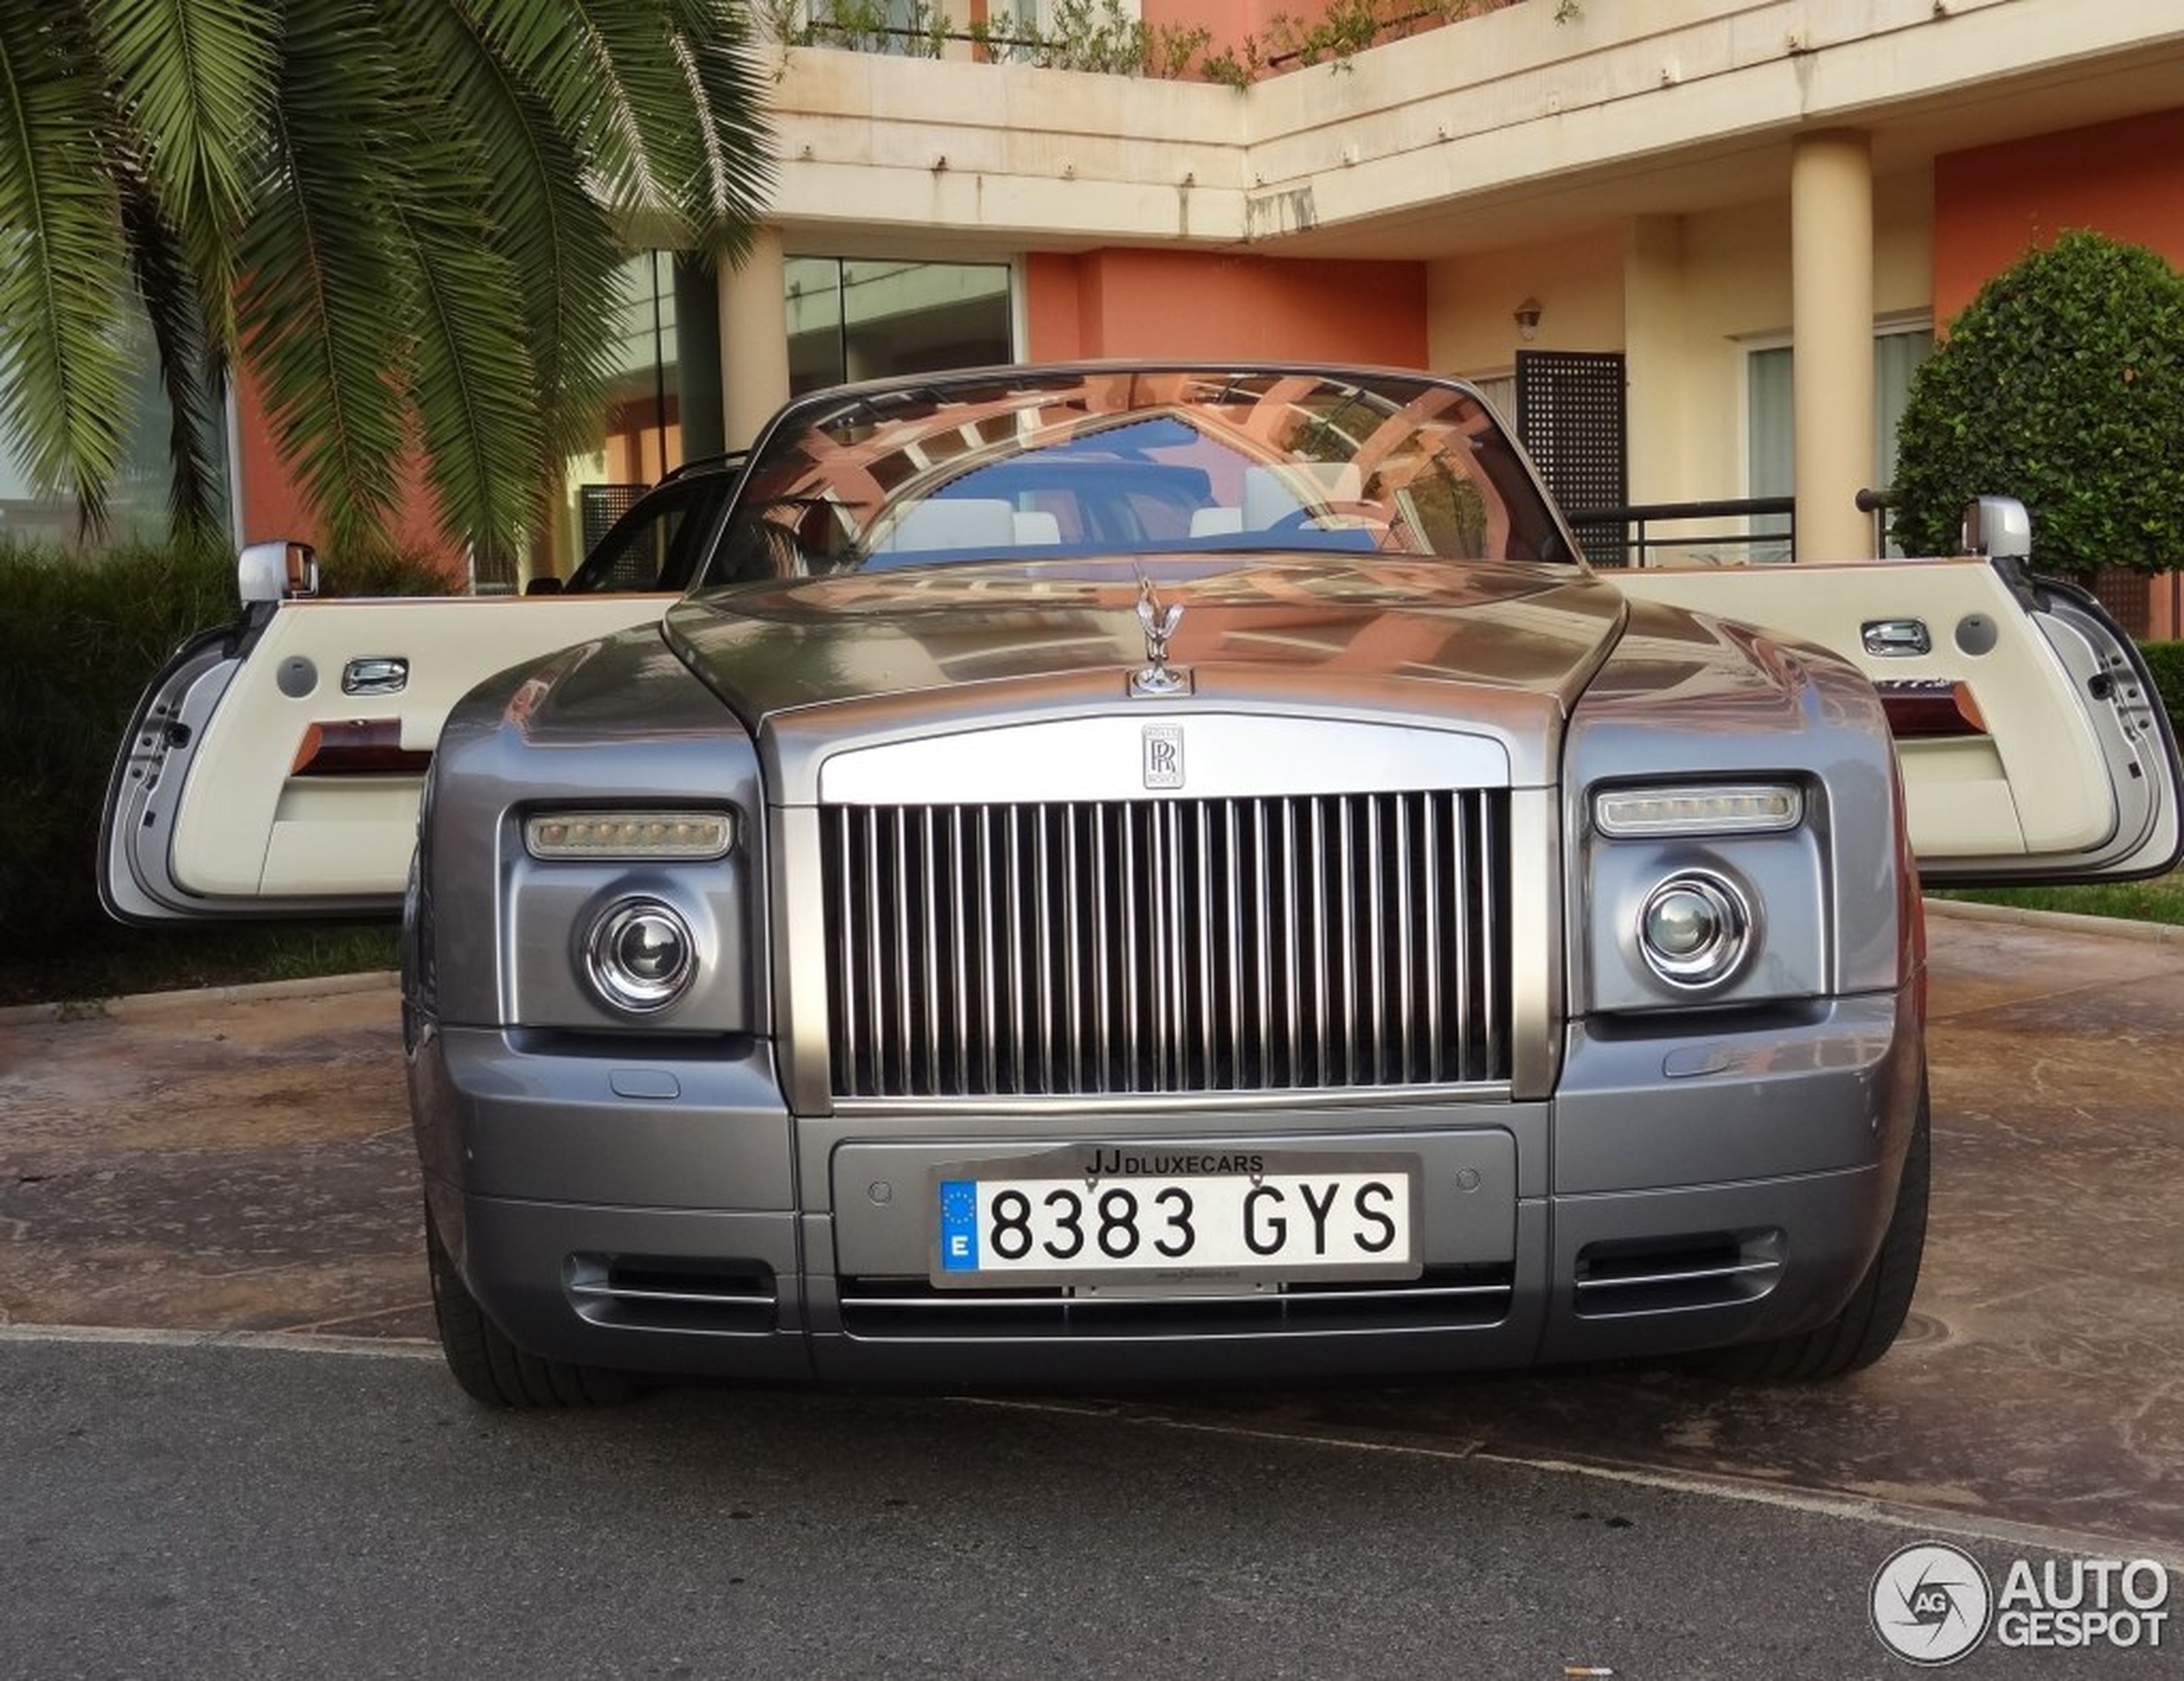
<point x="177" y="1508"/>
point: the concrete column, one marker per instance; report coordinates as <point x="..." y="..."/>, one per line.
<point x="754" y="338"/>
<point x="1830" y="206"/>
<point x="698" y="362"/>
<point x="1655" y="361"/>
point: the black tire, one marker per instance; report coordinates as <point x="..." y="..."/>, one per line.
<point x="491" y="1369"/>
<point x="1865" y="1327"/>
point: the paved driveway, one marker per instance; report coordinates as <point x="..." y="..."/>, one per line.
<point x="245" y="1166"/>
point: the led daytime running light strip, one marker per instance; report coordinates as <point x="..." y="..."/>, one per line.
<point x="1747" y="809"/>
<point x="632" y="835"/>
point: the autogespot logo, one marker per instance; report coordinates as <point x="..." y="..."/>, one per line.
<point x="1930" y="1603"/>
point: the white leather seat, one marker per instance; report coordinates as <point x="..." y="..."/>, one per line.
<point x="966" y="522"/>
<point x="1271" y="495"/>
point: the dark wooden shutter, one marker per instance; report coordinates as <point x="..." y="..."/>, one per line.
<point x="1570" y="413"/>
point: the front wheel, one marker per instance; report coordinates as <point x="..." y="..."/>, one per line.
<point x="1863" y="1331"/>
<point x="490" y="1368"/>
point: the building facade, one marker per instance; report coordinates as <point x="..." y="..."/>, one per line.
<point x="1741" y="220"/>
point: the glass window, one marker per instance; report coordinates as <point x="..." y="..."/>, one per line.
<point x="644" y="406"/>
<point x="138" y="502"/>
<point x="1771" y="441"/>
<point x="1391" y="467"/>
<point x="870" y="318"/>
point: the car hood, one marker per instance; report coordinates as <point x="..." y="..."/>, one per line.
<point x="1390" y="635"/>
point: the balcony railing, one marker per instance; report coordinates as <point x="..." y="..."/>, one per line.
<point x="1740" y="530"/>
<point x="1743" y="530"/>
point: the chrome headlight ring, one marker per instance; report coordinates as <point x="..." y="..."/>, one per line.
<point x="640" y="955"/>
<point x="1695" y="930"/>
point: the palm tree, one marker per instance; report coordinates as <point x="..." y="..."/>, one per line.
<point x="404" y="217"/>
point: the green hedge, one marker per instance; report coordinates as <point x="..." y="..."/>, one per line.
<point x="80" y="637"/>
<point x="2166" y="661"/>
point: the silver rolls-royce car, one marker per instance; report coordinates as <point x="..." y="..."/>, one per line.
<point x="1134" y="872"/>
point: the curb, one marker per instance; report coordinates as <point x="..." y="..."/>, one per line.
<point x="2060" y="922"/>
<point x="168" y="1003"/>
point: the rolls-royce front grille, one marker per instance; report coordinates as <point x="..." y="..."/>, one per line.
<point x="1305" y="942"/>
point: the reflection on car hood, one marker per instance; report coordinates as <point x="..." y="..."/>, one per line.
<point x="1251" y="622"/>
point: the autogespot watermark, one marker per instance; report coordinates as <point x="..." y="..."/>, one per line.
<point x="1933" y="1603"/>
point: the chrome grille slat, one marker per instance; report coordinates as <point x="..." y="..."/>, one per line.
<point x="876" y="1034"/>
<point x="929" y="877"/>
<point x="1429" y="854"/>
<point x="1208" y="1059"/>
<point x="1305" y="942"/>
<point x="961" y="957"/>
<point x="1015" y="940"/>
<point x="906" y="946"/>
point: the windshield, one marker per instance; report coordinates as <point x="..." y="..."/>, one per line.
<point x="1028" y="465"/>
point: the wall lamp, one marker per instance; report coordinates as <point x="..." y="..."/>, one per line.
<point x="1527" y="319"/>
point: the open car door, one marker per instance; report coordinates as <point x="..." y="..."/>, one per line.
<point x="273" y="767"/>
<point x="2033" y="745"/>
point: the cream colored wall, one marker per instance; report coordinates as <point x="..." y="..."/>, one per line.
<point x="1735" y="298"/>
<point x="1008" y="157"/>
<point x="1685" y="299"/>
<point x="1471" y="302"/>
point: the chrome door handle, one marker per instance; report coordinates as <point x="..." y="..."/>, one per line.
<point x="1896" y="638"/>
<point x="382" y="674"/>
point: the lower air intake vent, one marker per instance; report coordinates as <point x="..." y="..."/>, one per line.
<point x="1708" y="1269"/>
<point x="1442" y="1298"/>
<point x="672" y="1292"/>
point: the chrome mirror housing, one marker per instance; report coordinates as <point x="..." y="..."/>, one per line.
<point x="283" y="569"/>
<point x="1999" y="528"/>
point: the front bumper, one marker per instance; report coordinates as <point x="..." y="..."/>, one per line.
<point x="670" y="1215"/>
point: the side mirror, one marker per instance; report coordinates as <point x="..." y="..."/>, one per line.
<point x="1999" y="528"/>
<point x="281" y="570"/>
<point x="548" y="586"/>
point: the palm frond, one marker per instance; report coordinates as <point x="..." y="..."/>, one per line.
<point x="64" y="395"/>
<point x="168" y="288"/>
<point x="638" y="41"/>
<point x="194" y="77"/>
<point x="660" y="96"/>
<point x="327" y="305"/>
<point x="556" y="237"/>
<point x="725" y="88"/>
<point x="559" y="48"/>
<point x="471" y="379"/>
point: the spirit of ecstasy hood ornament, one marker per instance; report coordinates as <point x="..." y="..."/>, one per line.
<point x="1157" y="676"/>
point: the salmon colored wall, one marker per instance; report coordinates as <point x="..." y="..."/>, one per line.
<point x="1991" y="204"/>
<point x="1188" y="303"/>
<point x="273" y="504"/>
<point x="1227" y="22"/>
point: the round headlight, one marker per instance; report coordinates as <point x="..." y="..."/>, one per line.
<point x="640" y="956"/>
<point x="1694" y="930"/>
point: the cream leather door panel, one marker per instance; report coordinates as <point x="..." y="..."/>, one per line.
<point x="2033" y="746"/>
<point x="273" y="769"/>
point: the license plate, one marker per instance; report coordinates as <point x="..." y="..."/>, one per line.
<point x="1106" y="1216"/>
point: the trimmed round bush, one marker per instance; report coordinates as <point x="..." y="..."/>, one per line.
<point x="2062" y="385"/>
